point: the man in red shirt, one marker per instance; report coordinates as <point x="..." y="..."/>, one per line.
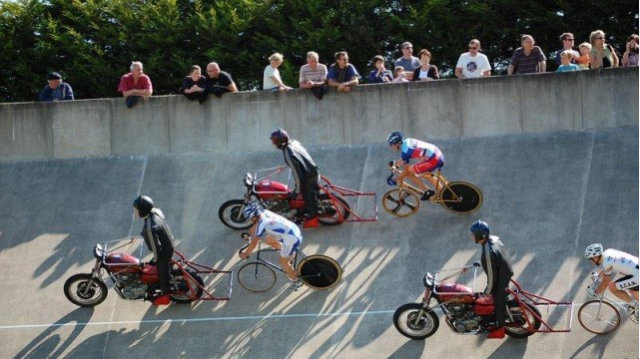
<point x="135" y="85"/>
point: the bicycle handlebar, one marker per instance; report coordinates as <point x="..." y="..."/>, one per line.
<point x="245" y="236"/>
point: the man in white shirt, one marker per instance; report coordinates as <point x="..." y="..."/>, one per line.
<point x="473" y="64"/>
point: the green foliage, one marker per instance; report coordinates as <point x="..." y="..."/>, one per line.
<point x="92" y="42"/>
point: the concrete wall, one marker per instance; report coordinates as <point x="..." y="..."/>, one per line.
<point x="432" y="110"/>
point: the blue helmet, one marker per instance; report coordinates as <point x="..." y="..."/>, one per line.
<point x="394" y="138"/>
<point x="480" y="230"/>
<point x="251" y="210"/>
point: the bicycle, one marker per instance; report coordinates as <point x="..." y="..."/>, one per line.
<point x="601" y="316"/>
<point x="316" y="271"/>
<point x="457" y="197"/>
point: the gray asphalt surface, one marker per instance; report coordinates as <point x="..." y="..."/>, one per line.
<point x="546" y="195"/>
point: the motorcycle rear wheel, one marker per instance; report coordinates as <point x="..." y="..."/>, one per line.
<point x="522" y="327"/>
<point x="230" y="214"/>
<point x="85" y="291"/>
<point x="193" y="289"/>
<point x="407" y="322"/>
<point x="338" y="217"/>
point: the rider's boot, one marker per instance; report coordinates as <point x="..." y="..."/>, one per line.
<point x="311" y="223"/>
<point x="427" y="194"/>
<point x="496" y="333"/>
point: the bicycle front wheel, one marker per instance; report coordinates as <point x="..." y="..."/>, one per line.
<point x="319" y="272"/>
<point x="599" y="317"/>
<point x="400" y="203"/>
<point x="256" y="277"/>
<point x="461" y="197"/>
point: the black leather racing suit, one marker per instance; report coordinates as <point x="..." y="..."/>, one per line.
<point x="305" y="173"/>
<point x="495" y="262"/>
<point x="159" y="240"/>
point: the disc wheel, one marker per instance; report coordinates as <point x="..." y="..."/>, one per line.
<point x="461" y="197"/>
<point x="319" y="272"/>
<point x="256" y="277"/>
<point x="414" y="322"/>
<point x="84" y="290"/>
<point x="400" y="203"/>
<point x="599" y="317"/>
<point x="230" y="214"/>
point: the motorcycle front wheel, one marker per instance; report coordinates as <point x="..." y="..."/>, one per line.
<point x="84" y="290"/>
<point x="412" y="321"/>
<point x="230" y="213"/>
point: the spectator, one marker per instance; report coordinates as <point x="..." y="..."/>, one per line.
<point x="426" y="71"/>
<point x="473" y="64"/>
<point x="194" y="86"/>
<point x="380" y="74"/>
<point x="313" y="75"/>
<point x="568" y="41"/>
<point x="135" y="85"/>
<point x="407" y="61"/>
<point x="400" y="75"/>
<point x="528" y="59"/>
<point x="342" y="74"/>
<point x="219" y="82"/>
<point x="630" y="56"/>
<point x="583" y="60"/>
<point x="56" y="90"/>
<point x="602" y="55"/>
<point x="271" y="78"/>
<point x="565" y="62"/>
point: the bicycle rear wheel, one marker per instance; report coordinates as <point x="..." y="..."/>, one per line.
<point x="461" y="197"/>
<point x="256" y="277"/>
<point x="400" y="203"/>
<point x="599" y="317"/>
<point x="319" y="272"/>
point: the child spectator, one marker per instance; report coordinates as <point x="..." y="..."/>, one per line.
<point x="630" y="56"/>
<point x="194" y="86"/>
<point x="380" y="74"/>
<point x="400" y="75"/>
<point x="565" y="58"/>
<point x="583" y="60"/>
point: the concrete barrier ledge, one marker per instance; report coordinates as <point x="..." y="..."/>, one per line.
<point x="431" y="110"/>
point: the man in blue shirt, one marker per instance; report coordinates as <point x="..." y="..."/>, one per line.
<point x="342" y="74"/>
<point x="56" y="90"/>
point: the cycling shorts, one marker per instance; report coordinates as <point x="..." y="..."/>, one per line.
<point x="429" y="164"/>
<point x="627" y="282"/>
<point x="288" y="247"/>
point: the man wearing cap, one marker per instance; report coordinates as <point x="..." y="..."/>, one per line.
<point x="56" y="90"/>
<point x="407" y="61"/>
<point x="135" y="85"/>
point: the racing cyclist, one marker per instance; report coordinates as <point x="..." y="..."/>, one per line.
<point x="430" y="157"/>
<point x="278" y="232"/>
<point x="612" y="262"/>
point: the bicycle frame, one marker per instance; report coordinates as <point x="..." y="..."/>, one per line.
<point x="606" y="298"/>
<point x="441" y="183"/>
<point x="274" y="266"/>
<point x="325" y="186"/>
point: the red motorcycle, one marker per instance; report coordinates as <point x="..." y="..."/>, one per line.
<point x="133" y="279"/>
<point x="465" y="312"/>
<point x="276" y="197"/>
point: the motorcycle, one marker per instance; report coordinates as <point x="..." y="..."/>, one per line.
<point x="465" y="312"/>
<point x="132" y="279"/>
<point x="276" y="197"/>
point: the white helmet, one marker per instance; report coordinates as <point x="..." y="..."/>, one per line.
<point x="593" y="250"/>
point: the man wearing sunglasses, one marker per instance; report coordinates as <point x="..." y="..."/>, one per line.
<point x="473" y="64"/>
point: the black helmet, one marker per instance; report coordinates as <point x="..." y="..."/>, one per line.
<point x="144" y="205"/>
<point x="394" y="138"/>
<point x="279" y="137"/>
<point x="480" y="230"/>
